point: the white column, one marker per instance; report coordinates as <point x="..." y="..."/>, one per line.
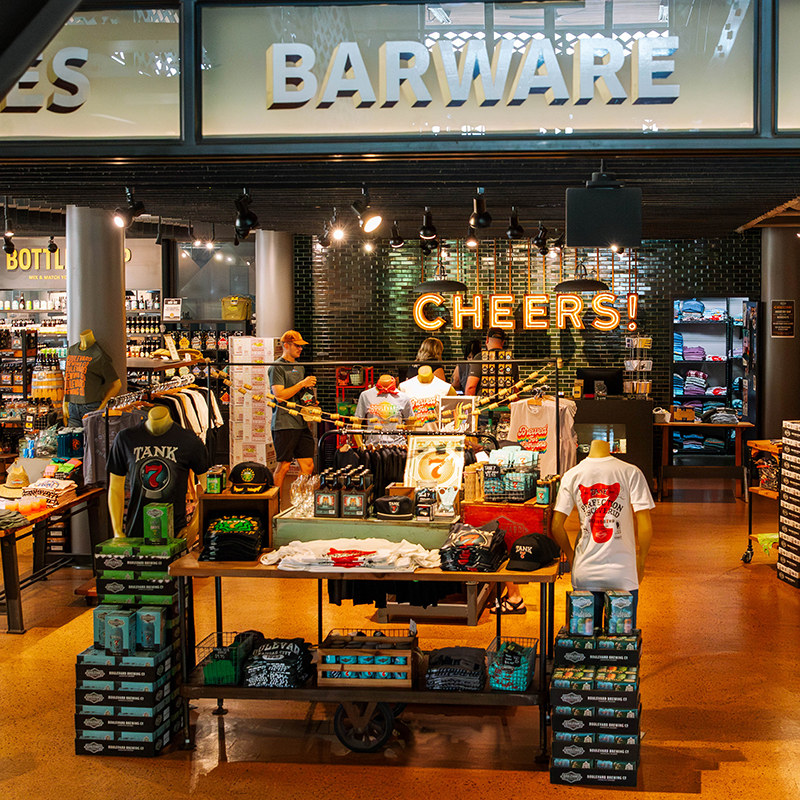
<point x="274" y="283"/>
<point x="96" y="282"/>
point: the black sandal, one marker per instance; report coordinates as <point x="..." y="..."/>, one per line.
<point x="510" y="608"/>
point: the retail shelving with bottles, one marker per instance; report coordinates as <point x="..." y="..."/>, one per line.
<point x="707" y="363"/>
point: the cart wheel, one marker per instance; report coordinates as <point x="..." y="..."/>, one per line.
<point x="398" y="709"/>
<point x="360" y="733"/>
<point x="748" y="556"/>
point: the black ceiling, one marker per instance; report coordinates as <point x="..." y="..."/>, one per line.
<point x="684" y="196"/>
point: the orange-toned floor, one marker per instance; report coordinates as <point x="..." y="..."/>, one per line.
<point x="720" y="687"/>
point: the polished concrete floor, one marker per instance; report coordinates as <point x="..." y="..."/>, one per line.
<point x="720" y="688"/>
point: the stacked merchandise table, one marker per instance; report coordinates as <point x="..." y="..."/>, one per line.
<point x="789" y="523"/>
<point x="668" y="470"/>
<point x="12" y="583"/>
<point x="756" y="448"/>
<point x="189" y="567"/>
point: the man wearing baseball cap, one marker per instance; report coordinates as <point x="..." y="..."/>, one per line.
<point x="290" y="434"/>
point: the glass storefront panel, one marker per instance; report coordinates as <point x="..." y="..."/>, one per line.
<point x="788" y="66"/>
<point x="107" y="74"/>
<point x="477" y="70"/>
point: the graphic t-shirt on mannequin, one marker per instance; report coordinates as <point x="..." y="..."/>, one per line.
<point x="425" y="400"/>
<point x="606" y="492"/>
<point x="88" y="373"/>
<point x="157" y="468"/>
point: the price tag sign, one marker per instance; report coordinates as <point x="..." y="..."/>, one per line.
<point x="172" y="309"/>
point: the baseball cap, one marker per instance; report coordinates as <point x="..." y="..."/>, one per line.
<point x="292" y="337"/>
<point x="394" y="506"/>
<point x="532" y="552"/>
<point x="497" y="333"/>
<point x="250" y="477"/>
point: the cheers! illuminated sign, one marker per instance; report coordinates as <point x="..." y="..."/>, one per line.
<point x="569" y="309"/>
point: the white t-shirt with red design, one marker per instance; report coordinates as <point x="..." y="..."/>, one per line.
<point x="607" y="492"/>
<point x="425" y="400"/>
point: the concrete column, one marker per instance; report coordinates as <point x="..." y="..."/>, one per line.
<point x="96" y="282"/>
<point x="779" y="391"/>
<point x="274" y="283"/>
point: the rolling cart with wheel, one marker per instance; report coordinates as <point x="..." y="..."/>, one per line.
<point x="365" y="718"/>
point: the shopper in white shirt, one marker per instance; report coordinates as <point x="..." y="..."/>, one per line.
<point x="613" y="502"/>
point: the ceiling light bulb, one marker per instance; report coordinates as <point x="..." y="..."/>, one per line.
<point x="198" y="242"/>
<point x="121" y="218"/>
<point x="8" y="234"/>
<point x="338" y="234"/>
<point x="368" y="247"/>
<point x="372" y="222"/>
<point x="209" y="245"/>
<point x="472" y="239"/>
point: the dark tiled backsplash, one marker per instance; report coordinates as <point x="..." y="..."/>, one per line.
<point x="353" y="305"/>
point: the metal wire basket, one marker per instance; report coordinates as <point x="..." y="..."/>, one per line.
<point x="511" y="668"/>
<point x="222" y="655"/>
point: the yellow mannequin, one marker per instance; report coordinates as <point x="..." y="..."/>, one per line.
<point x="158" y="422"/>
<point x="425" y="375"/>
<point x="87" y="340"/>
<point x="643" y="524"/>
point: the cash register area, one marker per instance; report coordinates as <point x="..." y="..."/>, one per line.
<point x="720" y="684"/>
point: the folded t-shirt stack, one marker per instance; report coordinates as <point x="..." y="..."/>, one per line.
<point x="677" y="346"/>
<point x="470" y="549"/>
<point x="456" y="669"/>
<point x="696" y="382"/>
<point x="696" y="353"/>
<point x="233" y="538"/>
<point x="714" y="444"/>
<point x="677" y="384"/>
<point x="55" y="491"/>
<point x="721" y="416"/>
<point x="692" y="310"/>
<point x="279" y="663"/>
<point x="688" y="441"/>
<point x="359" y="555"/>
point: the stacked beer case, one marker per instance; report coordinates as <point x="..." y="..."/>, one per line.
<point x="127" y="699"/>
<point x="789" y="523"/>
<point x="594" y="694"/>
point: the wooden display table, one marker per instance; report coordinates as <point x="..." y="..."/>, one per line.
<point x="12" y="583"/>
<point x="265" y="505"/>
<point x="189" y="567"/>
<point x="668" y="470"/>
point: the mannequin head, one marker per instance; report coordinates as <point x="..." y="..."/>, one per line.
<point x="158" y="420"/>
<point x="425" y="374"/>
<point x="385" y="382"/>
<point x="599" y="448"/>
<point x="87" y="339"/>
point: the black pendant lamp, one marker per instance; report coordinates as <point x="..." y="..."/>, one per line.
<point x="440" y="283"/>
<point x="580" y="283"/>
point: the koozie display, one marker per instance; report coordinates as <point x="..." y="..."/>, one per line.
<point x="233" y="538"/>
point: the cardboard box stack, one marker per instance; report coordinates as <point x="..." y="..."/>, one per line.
<point x="127" y="700"/>
<point x="594" y="694"/>
<point x="789" y="522"/>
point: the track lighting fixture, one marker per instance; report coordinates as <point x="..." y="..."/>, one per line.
<point x="617" y="249"/>
<point x="369" y="247"/>
<point x="123" y="217"/>
<point x="324" y="239"/>
<point x="428" y="229"/>
<point x="8" y="244"/>
<point x="558" y="244"/>
<point x="368" y="220"/>
<point x="472" y="238"/>
<point x="52" y="247"/>
<point x="514" y="229"/>
<point x="246" y="220"/>
<point x="397" y="241"/>
<point x="426" y="246"/>
<point x="540" y="240"/>
<point x="480" y="217"/>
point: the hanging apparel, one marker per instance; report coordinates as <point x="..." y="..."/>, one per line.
<point x="607" y="492"/>
<point x="425" y="400"/>
<point x="157" y="468"/>
<point x="534" y="428"/>
<point x="96" y="447"/>
<point x="88" y="374"/>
